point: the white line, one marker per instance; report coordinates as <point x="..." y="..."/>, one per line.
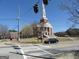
<point x="39" y="46"/>
<point x="22" y="52"/>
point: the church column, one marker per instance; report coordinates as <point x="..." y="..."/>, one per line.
<point x="51" y="31"/>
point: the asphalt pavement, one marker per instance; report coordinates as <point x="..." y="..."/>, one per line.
<point x="34" y="51"/>
<point x="30" y="51"/>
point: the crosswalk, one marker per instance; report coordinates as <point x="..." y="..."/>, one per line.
<point x="34" y="51"/>
<point x="38" y="51"/>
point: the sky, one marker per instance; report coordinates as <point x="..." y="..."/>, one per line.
<point x="9" y="13"/>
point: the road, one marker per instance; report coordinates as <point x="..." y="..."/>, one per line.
<point x="31" y="51"/>
<point x="35" y="51"/>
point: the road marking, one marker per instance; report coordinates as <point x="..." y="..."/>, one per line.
<point x="21" y="51"/>
<point x="39" y="46"/>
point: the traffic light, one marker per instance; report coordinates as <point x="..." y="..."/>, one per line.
<point x="45" y="2"/>
<point x="35" y="7"/>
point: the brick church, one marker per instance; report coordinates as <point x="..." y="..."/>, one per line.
<point x="44" y="27"/>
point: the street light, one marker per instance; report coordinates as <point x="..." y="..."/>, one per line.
<point x="35" y="7"/>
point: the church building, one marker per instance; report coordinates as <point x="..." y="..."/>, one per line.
<point x="44" y="27"/>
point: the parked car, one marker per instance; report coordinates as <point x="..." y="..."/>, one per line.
<point x="51" y="41"/>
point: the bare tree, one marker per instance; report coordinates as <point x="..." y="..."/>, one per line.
<point x="27" y="31"/>
<point x="72" y="6"/>
<point x="3" y="31"/>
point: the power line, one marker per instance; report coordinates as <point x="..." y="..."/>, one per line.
<point x="27" y="12"/>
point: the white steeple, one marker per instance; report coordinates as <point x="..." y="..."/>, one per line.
<point x="43" y="11"/>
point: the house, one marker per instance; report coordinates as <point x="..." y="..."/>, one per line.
<point x="14" y="35"/>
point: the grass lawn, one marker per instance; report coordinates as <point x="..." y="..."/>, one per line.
<point x="30" y="40"/>
<point x="22" y="41"/>
<point x="34" y="40"/>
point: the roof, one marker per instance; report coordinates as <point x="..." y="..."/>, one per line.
<point x="47" y="25"/>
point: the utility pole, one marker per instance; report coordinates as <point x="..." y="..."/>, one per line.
<point x="18" y="18"/>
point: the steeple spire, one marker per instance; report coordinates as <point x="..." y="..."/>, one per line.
<point x="43" y="11"/>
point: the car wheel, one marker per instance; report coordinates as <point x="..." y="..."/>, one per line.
<point x="46" y="42"/>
